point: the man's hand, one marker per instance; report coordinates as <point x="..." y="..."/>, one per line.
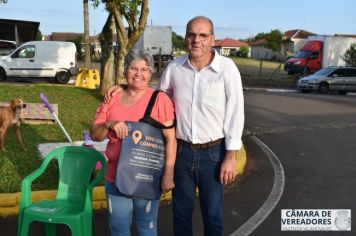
<point x="167" y="183"/>
<point x="228" y="167"/>
<point x="113" y="90"/>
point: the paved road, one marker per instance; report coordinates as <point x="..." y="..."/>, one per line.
<point x="313" y="136"/>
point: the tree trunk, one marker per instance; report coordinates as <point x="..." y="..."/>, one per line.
<point x="86" y="35"/>
<point x="107" y="52"/>
<point x="119" y="70"/>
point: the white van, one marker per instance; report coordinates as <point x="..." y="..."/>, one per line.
<point x="41" y="59"/>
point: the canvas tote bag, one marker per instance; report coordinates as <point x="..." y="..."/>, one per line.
<point x="142" y="157"/>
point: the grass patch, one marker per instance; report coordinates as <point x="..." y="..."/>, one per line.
<point x="76" y="108"/>
<point x="269" y="74"/>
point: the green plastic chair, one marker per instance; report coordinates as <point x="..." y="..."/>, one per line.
<point x="73" y="203"/>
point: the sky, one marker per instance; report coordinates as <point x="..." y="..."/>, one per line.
<point x="232" y="18"/>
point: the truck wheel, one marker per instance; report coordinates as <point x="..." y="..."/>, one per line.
<point x="2" y="74"/>
<point x="323" y="88"/>
<point x="63" y="77"/>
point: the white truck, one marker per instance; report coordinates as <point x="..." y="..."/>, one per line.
<point x="41" y="59"/>
<point x="319" y="51"/>
<point x="157" y="40"/>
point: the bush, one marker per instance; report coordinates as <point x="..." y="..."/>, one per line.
<point x="350" y="55"/>
<point x="242" y="52"/>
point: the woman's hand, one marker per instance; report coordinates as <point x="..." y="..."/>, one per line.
<point x="119" y="127"/>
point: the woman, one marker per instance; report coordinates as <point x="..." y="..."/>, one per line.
<point x="109" y="122"/>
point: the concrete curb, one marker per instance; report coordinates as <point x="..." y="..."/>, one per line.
<point x="9" y="202"/>
<point x="270" y="90"/>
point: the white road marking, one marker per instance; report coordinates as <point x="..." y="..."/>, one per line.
<point x="275" y="195"/>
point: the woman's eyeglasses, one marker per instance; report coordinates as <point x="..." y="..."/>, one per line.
<point x="143" y="70"/>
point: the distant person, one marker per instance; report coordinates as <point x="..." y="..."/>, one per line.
<point x="208" y="98"/>
<point x="289" y="54"/>
<point x="109" y="122"/>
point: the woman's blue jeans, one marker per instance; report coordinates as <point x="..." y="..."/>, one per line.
<point x="122" y="209"/>
<point x="198" y="168"/>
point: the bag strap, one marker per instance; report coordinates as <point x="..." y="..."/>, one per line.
<point x="147" y="116"/>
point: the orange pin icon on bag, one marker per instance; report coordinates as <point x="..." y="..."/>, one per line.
<point x="136" y="136"/>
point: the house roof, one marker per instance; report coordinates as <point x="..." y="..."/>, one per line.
<point x="297" y="33"/>
<point x="27" y="30"/>
<point x="228" y="42"/>
<point x="67" y="36"/>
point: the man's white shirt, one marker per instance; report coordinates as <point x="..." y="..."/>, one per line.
<point x="209" y="103"/>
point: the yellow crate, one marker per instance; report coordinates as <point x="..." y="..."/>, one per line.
<point x="88" y="78"/>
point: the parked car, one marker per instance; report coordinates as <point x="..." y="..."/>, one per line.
<point x="332" y="78"/>
<point x="6" y="47"/>
<point x="41" y="59"/>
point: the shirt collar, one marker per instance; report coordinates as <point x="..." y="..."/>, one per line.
<point x="213" y="65"/>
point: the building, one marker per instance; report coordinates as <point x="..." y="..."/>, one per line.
<point x="293" y="40"/>
<point x="228" y="46"/>
<point x="18" y="31"/>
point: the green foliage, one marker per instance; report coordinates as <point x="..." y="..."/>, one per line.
<point x="350" y="55"/>
<point x="274" y="40"/>
<point x="3" y="1"/>
<point x="178" y="41"/>
<point x="242" y="52"/>
<point x="38" y="36"/>
<point x="79" y="46"/>
<point x="76" y="110"/>
<point x="260" y="36"/>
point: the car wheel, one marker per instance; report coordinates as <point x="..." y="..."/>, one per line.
<point x="290" y="73"/>
<point x="342" y="92"/>
<point x="2" y="74"/>
<point x="63" y="77"/>
<point x="305" y="91"/>
<point x="323" y="88"/>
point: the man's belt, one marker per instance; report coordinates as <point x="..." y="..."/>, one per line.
<point x="201" y="145"/>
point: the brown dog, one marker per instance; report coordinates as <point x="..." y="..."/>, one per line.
<point x="11" y="116"/>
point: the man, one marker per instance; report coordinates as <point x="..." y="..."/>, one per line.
<point x="208" y="98"/>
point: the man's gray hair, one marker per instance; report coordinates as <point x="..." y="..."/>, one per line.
<point x="139" y="54"/>
<point x="200" y="18"/>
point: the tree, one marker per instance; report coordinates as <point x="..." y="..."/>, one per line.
<point x="3" y="1"/>
<point x="274" y="40"/>
<point x="86" y="35"/>
<point x="260" y="36"/>
<point x="78" y="45"/>
<point x="350" y="55"/>
<point x="107" y="54"/>
<point x="178" y="41"/>
<point x="243" y="51"/>
<point x="135" y="13"/>
<point x="38" y="35"/>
